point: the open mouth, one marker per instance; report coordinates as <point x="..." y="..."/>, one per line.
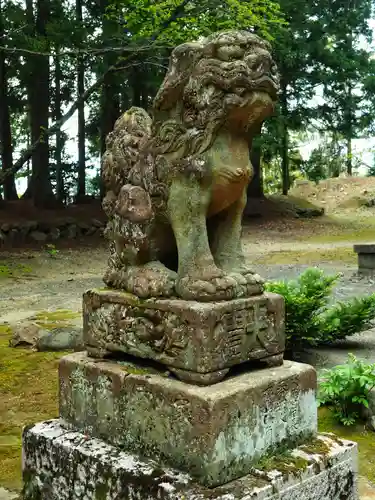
<point x="269" y="84"/>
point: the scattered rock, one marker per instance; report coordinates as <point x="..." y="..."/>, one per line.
<point x="309" y="212"/>
<point x="25" y="334"/>
<point x="58" y="330"/>
<point x="71" y="231"/>
<point x="96" y="223"/>
<point x="83" y="226"/>
<point x="43" y="231"/>
<point x="55" y="233"/>
<point x="61" y="339"/>
<point x="91" y="231"/>
<point x="38" y="236"/>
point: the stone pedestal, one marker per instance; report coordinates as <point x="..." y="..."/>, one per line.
<point x="215" y="433"/>
<point x="63" y="465"/>
<point x="366" y="258"/>
<point x="198" y="341"/>
<point x="253" y="435"/>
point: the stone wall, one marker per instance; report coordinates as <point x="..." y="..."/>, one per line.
<point x="14" y="233"/>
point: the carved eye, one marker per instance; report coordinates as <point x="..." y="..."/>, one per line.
<point x="230" y="52"/>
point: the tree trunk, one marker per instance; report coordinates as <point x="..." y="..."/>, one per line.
<point x="60" y="192"/>
<point x="27" y="153"/>
<point x="284" y="140"/>
<point x="42" y="193"/>
<point x="30" y="85"/>
<point x="349" y="130"/>
<point x="125" y="101"/>
<point x="9" y="189"/>
<point x="110" y="95"/>
<point x="255" y="189"/>
<point x="81" y="188"/>
<point x="136" y="84"/>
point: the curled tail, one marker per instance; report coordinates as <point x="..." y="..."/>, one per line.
<point x="130" y="132"/>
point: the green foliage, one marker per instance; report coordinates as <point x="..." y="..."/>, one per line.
<point x="345" y="388"/>
<point x="304" y="298"/>
<point x="51" y="250"/>
<point x="346" y="318"/>
<point x="310" y="320"/>
<point x="143" y="18"/>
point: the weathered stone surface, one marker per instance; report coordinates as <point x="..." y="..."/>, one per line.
<point x="25" y="334"/>
<point x="61" y="339"/>
<point x="200" y="340"/>
<point x="176" y="184"/>
<point x="365" y="248"/>
<point x="55" y="233"/>
<point x="366" y="257"/>
<point x="38" y="236"/>
<point x="61" y="465"/>
<point x="213" y="432"/>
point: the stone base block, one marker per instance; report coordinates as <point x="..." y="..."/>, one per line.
<point x="366" y="258"/>
<point x="62" y="465"/>
<point x="198" y="341"/>
<point x="214" y="433"/>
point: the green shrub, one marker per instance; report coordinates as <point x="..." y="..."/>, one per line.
<point x="346" y="318"/>
<point x="310" y="321"/>
<point x="345" y="388"/>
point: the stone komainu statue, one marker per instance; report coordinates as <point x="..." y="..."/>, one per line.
<point x="176" y="183"/>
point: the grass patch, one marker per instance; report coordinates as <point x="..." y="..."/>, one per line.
<point x="310" y="257"/>
<point x="365" y="235"/>
<point x="28" y="394"/>
<point x="55" y="319"/>
<point x="365" y="440"/>
<point x="10" y="270"/>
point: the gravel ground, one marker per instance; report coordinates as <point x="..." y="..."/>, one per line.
<point x="59" y="284"/>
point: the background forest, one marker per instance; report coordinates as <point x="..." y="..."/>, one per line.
<point x="96" y="58"/>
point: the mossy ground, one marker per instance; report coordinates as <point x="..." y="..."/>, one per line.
<point x="9" y="270"/>
<point x="350" y="235"/>
<point x="28" y="394"/>
<point x="358" y="433"/>
<point x="310" y="257"/>
<point x="55" y="319"/>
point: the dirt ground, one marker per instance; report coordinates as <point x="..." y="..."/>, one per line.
<point x="33" y="280"/>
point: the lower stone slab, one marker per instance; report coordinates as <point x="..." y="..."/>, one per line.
<point x="199" y="341"/>
<point x="67" y="465"/>
<point x="214" y="433"/>
<point x="366" y="258"/>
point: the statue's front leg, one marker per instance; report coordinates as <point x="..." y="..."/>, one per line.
<point x="198" y="276"/>
<point x="227" y="248"/>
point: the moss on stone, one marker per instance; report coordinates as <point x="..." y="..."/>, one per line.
<point x="316" y="447"/>
<point x="356" y="433"/>
<point x="101" y="491"/>
<point x="28" y="394"/>
<point x="136" y="370"/>
<point x="283" y="462"/>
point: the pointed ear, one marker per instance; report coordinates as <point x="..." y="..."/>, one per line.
<point x="181" y="64"/>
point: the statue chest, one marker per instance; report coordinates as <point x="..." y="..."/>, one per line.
<point x="231" y="172"/>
